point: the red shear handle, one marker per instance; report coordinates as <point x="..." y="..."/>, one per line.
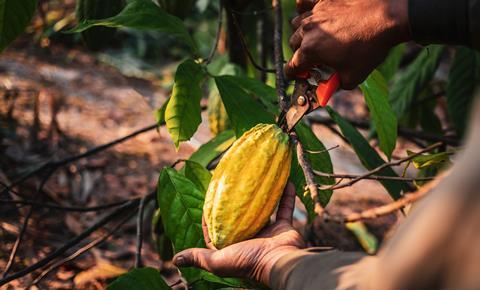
<point x="327" y="88"/>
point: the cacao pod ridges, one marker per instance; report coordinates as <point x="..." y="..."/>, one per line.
<point x="247" y="185"/>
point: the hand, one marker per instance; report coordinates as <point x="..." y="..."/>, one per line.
<point x="253" y="258"/>
<point x="350" y="36"/>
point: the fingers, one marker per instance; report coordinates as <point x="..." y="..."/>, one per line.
<point x="199" y="258"/>
<point x="287" y="204"/>
<point x="206" y="237"/>
<point x="297" y="64"/>
<point x="305" y="5"/>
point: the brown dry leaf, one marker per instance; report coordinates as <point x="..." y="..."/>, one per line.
<point x="102" y="270"/>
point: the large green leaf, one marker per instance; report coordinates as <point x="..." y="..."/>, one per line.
<point x="464" y="77"/>
<point x="319" y="159"/>
<point x="264" y="93"/>
<point x="198" y="174"/>
<point x="367" y="155"/>
<point x="243" y="111"/>
<point x="390" y="66"/>
<point x="181" y="204"/>
<point x="414" y="78"/>
<point x="375" y="90"/>
<point x="15" y="15"/>
<point x="208" y="151"/>
<point x="140" y="279"/>
<point x="183" y="111"/>
<point x="143" y="14"/>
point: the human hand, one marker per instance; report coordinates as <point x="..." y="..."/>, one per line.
<point x="350" y="36"/>
<point x="253" y="258"/>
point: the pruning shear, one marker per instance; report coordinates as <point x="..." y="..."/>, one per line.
<point x="313" y="89"/>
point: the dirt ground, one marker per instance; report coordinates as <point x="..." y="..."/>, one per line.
<point x="96" y="104"/>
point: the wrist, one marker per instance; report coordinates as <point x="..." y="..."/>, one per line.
<point x="397" y="13"/>
<point x="263" y="271"/>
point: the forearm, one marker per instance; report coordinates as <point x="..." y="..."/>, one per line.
<point x="445" y="21"/>
<point x="307" y="270"/>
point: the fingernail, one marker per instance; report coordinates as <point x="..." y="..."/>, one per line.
<point x="179" y="261"/>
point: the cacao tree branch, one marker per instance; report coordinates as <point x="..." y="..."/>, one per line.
<point x="387" y="208"/>
<point x="56" y="164"/>
<point x="403" y="132"/>
<point x="83" y="249"/>
<point x="138" y="252"/>
<point x="243" y="42"/>
<point x="381" y="167"/>
<point x="309" y="176"/>
<point x="278" y="54"/>
<point x="372" y="177"/>
<point x="219" y="32"/>
<point x="131" y="205"/>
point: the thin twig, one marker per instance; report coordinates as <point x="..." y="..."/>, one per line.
<point x="323" y="151"/>
<point x="372" y="177"/>
<point x="243" y="41"/>
<point x="83" y="249"/>
<point x="56" y="164"/>
<point x="278" y="54"/>
<point x="138" y="252"/>
<point x="63" y="208"/>
<point x="23" y="229"/>
<point x="403" y="132"/>
<point x="387" y="208"/>
<point x="131" y="205"/>
<point x="381" y="167"/>
<point x="309" y="176"/>
<point x="219" y="32"/>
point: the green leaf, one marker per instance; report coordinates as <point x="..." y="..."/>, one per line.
<point x="208" y="151"/>
<point x="181" y="204"/>
<point x="319" y="160"/>
<point x="243" y="111"/>
<point x="375" y="90"/>
<point x="140" y="279"/>
<point x="15" y="15"/>
<point x="198" y="174"/>
<point x="160" y="113"/>
<point x="390" y="66"/>
<point x="143" y="15"/>
<point x="427" y="160"/>
<point x="414" y="78"/>
<point x="366" y="239"/>
<point x="183" y="111"/>
<point x="367" y="155"/>
<point x="262" y="92"/>
<point x="464" y="78"/>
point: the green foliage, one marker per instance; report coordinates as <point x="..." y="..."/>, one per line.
<point x="366" y="239"/>
<point x="410" y="82"/>
<point x="319" y="159"/>
<point x="97" y="38"/>
<point x="375" y="90"/>
<point x="243" y="111"/>
<point x="464" y="78"/>
<point x="208" y="151"/>
<point x="367" y="155"/>
<point x="15" y="15"/>
<point x="143" y="15"/>
<point x="198" y="174"/>
<point x="390" y="66"/>
<point x="183" y="111"/>
<point x="140" y="279"/>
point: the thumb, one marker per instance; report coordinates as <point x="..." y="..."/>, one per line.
<point x="297" y="64"/>
<point x="197" y="257"/>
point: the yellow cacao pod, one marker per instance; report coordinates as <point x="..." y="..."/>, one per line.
<point x="217" y="115"/>
<point x="247" y="184"/>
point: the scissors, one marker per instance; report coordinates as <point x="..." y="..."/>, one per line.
<point x="313" y="89"/>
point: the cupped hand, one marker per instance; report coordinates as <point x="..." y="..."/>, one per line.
<point x="253" y="258"/>
<point x="350" y="36"/>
